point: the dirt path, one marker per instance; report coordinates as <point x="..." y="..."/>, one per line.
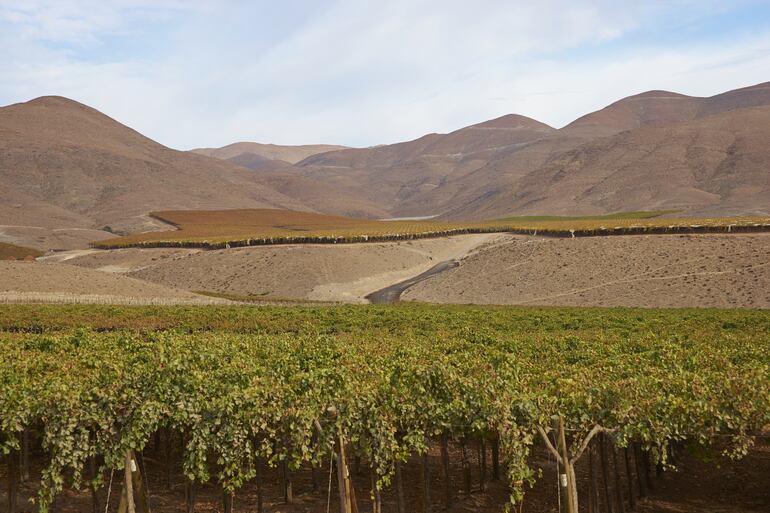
<point x="357" y="291"/>
<point x="63" y="256"/>
<point x="393" y="293"/>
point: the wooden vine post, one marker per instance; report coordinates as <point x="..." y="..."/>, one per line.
<point x="258" y="477"/>
<point x="647" y="469"/>
<point x="593" y="502"/>
<point x="13" y="481"/>
<point x="425" y="483"/>
<point x="227" y="501"/>
<point x="342" y="487"/>
<point x="400" y="500"/>
<point x="495" y="458"/>
<point x="482" y="464"/>
<point x="190" y="493"/>
<point x="566" y="479"/>
<point x="447" y="474"/>
<point x="347" y="501"/>
<point x="630" y="478"/>
<point x="605" y="474"/>
<point x="24" y="455"/>
<point x="466" y="466"/>
<point x="133" y="488"/>
<point x="640" y="477"/>
<point x="95" y="505"/>
<point x="618" y="487"/>
<point x="167" y="457"/>
<point x="128" y="486"/>
<point x="316" y="480"/>
<point x="288" y="488"/>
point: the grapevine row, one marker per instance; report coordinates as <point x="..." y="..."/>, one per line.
<point x="180" y="241"/>
<point x="296" y="398"/>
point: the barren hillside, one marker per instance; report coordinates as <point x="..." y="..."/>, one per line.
<point x="63" y="164"/>
<point x="328" y="272"/>
<point x="657" y="149"/>
<point x="416" y="178"/>
<point x="715" y="165"/>
<point x="290" y="154"/>
<point x="25" y="282"/>
<point x="723" y="271"/>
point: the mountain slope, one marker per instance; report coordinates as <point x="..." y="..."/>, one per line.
<point x="256" y="162"/>
<point x="505" y="166"/>
<point x="645" y="109"/>
<point x="63" y="164"/>
<point x="470" y="195"/>
<point x="656" y="146"/>
<point x="397" y="177"/>
<point x="715" y="165"/>
<point x="290" y="154"/>
<point x="490" y="135"/>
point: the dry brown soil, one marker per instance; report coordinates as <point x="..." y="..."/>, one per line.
<point x="696" y="486"/>
<point x="323" y="272"/>
<point x="726" y="271"/>
<point x="47" y="238"/>
<point x="22" y="282"/>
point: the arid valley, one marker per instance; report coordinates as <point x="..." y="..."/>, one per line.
<point x="400" y="257"/>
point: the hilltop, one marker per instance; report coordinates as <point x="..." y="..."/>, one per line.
<point x="66" y="165"/>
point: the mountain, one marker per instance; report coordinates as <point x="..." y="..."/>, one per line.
<point x="257" y="162"/>
<point x="658" y="149"/>
<point x="503" y="132"/>
<point x="663" y="108"/>
<point x="645" y="109"/>
<point x="376" y="182"/>
<point x="242" y="150"/>
<point x="517" y="165"/>
<point x="63" y="164"/>
<point x="395" y="179"/>
<point x="715" y="165"/>
<point x="754" y="96"/>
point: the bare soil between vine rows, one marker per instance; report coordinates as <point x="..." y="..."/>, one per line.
<point x="696" y="486"/>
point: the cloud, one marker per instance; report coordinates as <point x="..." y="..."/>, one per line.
<point x="361" y="72"/>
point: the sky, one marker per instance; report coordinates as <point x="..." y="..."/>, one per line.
<point x="364" y="72"/>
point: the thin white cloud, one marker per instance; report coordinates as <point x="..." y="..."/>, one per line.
<point x="353" y="72"/>
<point x="87" y="20"/>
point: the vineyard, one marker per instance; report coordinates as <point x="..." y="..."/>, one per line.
<point x="216" y="229"/>
<point x="14" y="252"/>
<point x="92" y="390"/>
